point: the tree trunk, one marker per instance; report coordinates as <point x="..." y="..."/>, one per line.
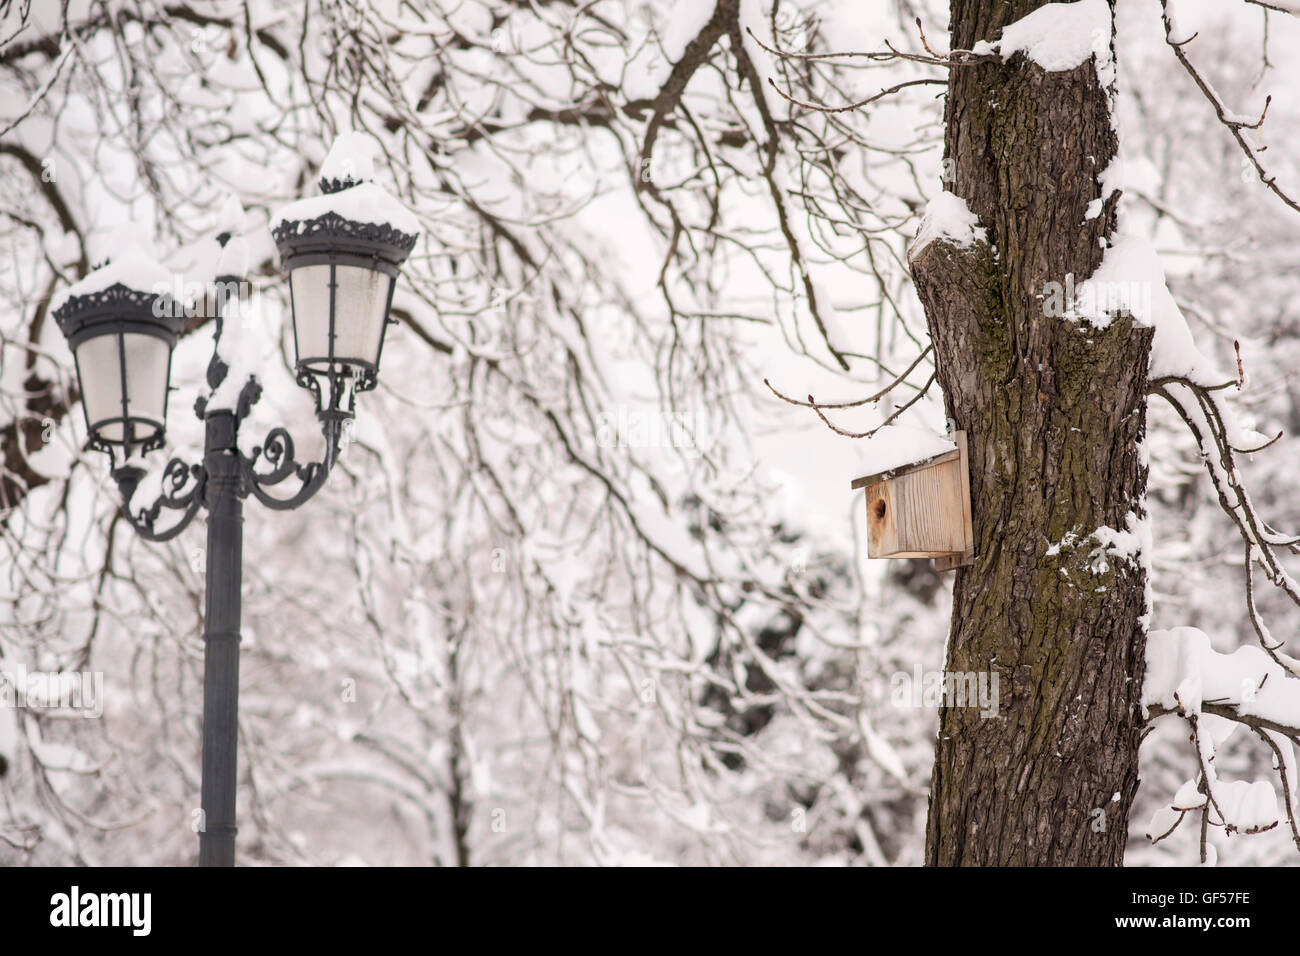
<point x="1054" y="412"/>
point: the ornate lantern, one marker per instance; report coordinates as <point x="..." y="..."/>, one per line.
<point x="342" y="250"/>
<point x="122" y="331"/>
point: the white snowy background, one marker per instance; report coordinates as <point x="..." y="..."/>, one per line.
<point x="583" y="589"/>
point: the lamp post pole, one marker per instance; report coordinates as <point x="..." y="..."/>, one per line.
<point x="225" y="504"/>
<point x="220" y="485"/>
<point x="226" y="477"/>
<point x="343" y="251"/>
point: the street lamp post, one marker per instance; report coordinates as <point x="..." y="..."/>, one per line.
<point x="342" y="251"/>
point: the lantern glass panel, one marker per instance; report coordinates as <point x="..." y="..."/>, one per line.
<point x="310" y="288"/>
<point x="99" y="367"/>
<point x="360" y="311"/>
<point x="363" y="307"/>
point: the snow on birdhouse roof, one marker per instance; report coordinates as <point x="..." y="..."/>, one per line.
<point x="895" y="449"/>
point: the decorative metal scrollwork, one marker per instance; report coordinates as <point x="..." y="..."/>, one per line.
<point x="182" y="490"/>
<point x="277" y="451"/>
<point x="183" y="485"/>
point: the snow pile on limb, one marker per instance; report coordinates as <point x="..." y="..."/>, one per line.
<point x="1217" y="693"/>
<point x="1131" y="279"/>
<point x="1132" y="544"/>
<point x="947" y="217"/>
<point x="684" y="23"/>
<point x="897" y="446"/>
<point x="1248" y="682"/>
<point x="1059" y="37"/>
<point x="230" y="216"/>
<point x="234" y="259"/>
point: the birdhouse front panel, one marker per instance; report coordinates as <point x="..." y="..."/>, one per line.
<point x="922" y="511"/>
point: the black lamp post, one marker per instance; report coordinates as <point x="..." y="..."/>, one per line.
<point x="342" y="251"/>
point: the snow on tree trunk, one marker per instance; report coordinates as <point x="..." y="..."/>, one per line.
<point x="1055" y="414"/>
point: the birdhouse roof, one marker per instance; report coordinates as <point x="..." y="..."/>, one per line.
<point x="897" y="449"/>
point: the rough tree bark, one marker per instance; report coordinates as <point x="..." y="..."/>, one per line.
<point x="1055" y="413"/>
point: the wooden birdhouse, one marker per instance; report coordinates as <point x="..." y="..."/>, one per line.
<point x="922" y="509"/>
